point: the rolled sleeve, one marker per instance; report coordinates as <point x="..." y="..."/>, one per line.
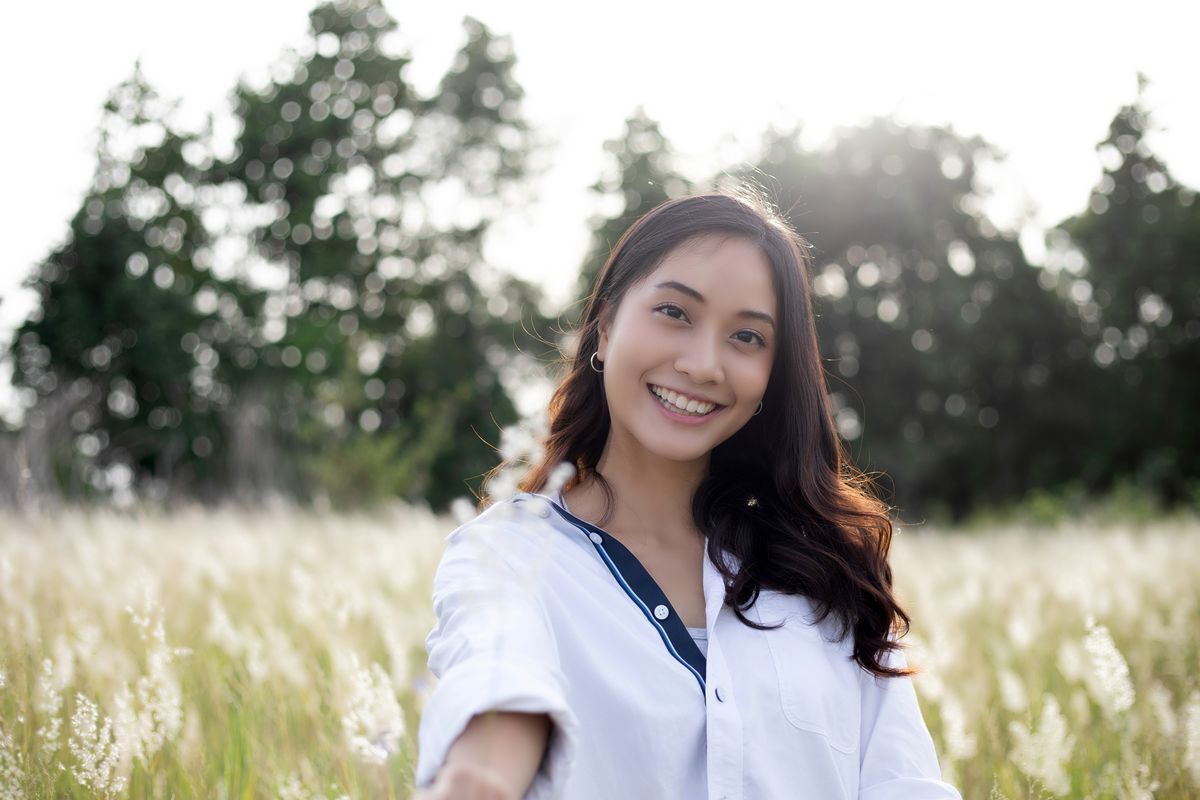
<point x="492" y="649"/>
<point x="898" y="760"/>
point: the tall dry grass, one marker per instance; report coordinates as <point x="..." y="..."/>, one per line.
<point x="232" y="654"/>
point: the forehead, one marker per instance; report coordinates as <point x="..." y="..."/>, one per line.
<point x="721" y="266"/>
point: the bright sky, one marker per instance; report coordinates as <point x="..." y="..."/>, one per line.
<point x="1041" y="80"/>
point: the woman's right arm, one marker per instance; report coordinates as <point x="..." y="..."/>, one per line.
<point x="496" y="756"/>
<point x="498" y="715"/>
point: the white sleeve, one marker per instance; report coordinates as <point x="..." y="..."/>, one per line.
<point x="491" y="648"/>
<point x="898" y="760"/>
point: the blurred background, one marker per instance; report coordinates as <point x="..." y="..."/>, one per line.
<point x="327" y="252"/>
<point x="284" y="279"/>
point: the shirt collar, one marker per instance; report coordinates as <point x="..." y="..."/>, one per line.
<point x="641" y="588"/>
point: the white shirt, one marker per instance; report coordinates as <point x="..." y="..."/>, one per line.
<point x="539" y="611"/>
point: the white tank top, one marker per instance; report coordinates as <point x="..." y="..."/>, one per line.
<point x="700" y="637"/>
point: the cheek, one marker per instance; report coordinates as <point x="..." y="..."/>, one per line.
<point x="635" y="342"/>
<point x="639" y="327"/>
<point x="749" y="378"/>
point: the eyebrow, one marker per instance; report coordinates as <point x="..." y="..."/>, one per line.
<point x="689" y="291"/>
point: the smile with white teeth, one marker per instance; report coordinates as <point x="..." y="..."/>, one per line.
<point x="681" y="404"/>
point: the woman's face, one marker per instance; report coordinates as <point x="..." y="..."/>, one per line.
<point x="702" y="324"/>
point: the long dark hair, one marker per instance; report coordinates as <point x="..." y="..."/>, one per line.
<point x="781" y="493"/>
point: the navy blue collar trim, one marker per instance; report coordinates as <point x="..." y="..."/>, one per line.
<point x="644" y="591"/>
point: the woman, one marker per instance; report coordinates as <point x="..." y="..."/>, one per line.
<point x="705" y="608"/>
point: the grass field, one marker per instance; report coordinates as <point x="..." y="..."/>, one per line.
<point x="219" y="653"/>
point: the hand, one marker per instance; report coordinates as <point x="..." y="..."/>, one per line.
<point x="465" y="782"/>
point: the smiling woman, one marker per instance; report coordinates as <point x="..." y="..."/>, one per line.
<point x="694" y="524"/>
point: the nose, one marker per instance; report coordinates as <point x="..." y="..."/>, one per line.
<point x="701" y="362"/>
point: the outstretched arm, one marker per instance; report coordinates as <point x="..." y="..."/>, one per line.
<point x="497" y="755"/>
<point x="493" y="650"/>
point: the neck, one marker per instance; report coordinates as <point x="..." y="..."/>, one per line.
<point x="652" y="504"/>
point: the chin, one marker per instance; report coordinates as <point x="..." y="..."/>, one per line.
<point x="677" y="451"/>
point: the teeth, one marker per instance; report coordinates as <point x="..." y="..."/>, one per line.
<point x="683" y="403"/>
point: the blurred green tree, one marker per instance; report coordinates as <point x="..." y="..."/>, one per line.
<point x="1137" y="295"/>
<point x="131" y="348"/>
<point x="375" y="203"/>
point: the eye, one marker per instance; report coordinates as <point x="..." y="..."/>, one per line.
<point x="761" y="341"/>
<point x="671" y="307"/>
<point x="757" y="340"/>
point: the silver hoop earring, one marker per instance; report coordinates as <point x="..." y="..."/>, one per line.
<point x="592" y="361"/>
<point x="758" y="409"/>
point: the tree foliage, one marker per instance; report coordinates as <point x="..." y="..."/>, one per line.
<point x="310" y="310"/>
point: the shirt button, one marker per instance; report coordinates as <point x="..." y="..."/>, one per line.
<point x="661" y="612"/>
<point x="720" y="695"/>
<point x="595" y="537"/>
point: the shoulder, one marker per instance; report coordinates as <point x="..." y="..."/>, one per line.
<point x="518" y="529"/>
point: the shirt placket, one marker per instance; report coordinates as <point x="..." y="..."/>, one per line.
<point x="724" y="731"/>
